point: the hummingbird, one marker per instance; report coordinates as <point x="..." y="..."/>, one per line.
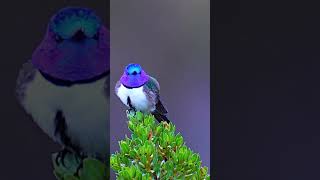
<point x="140" y="92"/>
<point x="65" y="84"/>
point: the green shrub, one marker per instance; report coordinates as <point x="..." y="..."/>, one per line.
<point x="155" y="151"/>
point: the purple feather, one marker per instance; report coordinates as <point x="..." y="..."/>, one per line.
<point x="73" y="61"/>
<point x="134" y="81"/>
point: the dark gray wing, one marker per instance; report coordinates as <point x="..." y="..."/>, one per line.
<point x="25" y="76"/>
<point x="152" y="90"/>
<point x="160" y="108"/>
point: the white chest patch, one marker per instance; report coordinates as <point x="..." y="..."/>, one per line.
<point x="84" y="106"/>
<point x="137" y="97"/>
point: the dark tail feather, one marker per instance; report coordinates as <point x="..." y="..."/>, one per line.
<point x="161" y="117"/>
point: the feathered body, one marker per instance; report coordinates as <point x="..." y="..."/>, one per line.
<point x="65" y="86"/>
<point x="141" y="92"/>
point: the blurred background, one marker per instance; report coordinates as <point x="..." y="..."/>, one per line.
<point x="25" y="149"/>
<point x="170" y="39"/>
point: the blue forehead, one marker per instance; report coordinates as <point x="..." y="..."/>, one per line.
<point x="68" y="20"/>
<point x="133" y="67"/>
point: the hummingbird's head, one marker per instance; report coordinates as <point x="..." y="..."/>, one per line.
<point x="75" y="24"/>
<point x="75" y="47"/>
<point x="134" y="76"/>
<point x="133" y="69"/>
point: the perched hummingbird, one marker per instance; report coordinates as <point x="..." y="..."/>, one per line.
<point x="140" y="92"/>
<point x="65" y="85"/>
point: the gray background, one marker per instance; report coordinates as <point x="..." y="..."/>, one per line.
<point x="170" y="39"/>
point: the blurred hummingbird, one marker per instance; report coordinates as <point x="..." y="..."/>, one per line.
<point x="65" y="85"/>
<point x="140" y="92"/>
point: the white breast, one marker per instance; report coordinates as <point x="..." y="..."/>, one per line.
<point x="84" y="106"/>
<point x="137" y="96"/>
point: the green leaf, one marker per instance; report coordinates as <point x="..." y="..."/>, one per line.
<point x="70" y="177"/>
<point x="124" y="147"/>
<point x="131" y="126"/>
<point x="114" y="162"/>
<point x="93" y="170"/>
<point x="139" y="116"/>
<point x="179" y="140"/>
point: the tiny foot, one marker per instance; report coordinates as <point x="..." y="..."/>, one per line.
<point x="60" y="156"/>
<point x="80" y="166"/>
<point x="80" y="157"/>
<point x="130" y="112"/>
